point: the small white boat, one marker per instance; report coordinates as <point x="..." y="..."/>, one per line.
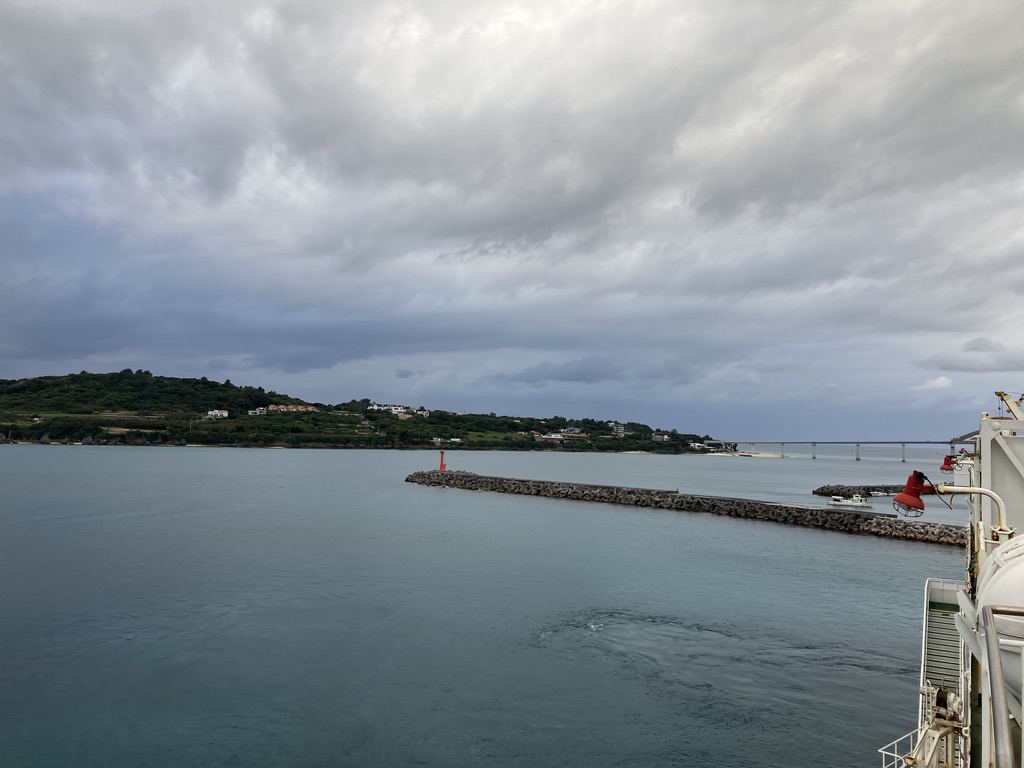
<point x="854" y="501"/>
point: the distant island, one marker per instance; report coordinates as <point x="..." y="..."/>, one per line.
<point x="138" y="408"/>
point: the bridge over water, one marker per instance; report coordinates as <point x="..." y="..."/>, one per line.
<point x="855" y="443"/>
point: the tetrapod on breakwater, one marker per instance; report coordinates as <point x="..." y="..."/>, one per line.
<point x="846" y="521"/>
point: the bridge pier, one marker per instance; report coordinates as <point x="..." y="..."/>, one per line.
<point x="903" y="452"/>
<point x="858" y="452"/>
<point x="814" y="450"/>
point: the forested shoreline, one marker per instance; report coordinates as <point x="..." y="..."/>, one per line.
<point x="139" y="408"/>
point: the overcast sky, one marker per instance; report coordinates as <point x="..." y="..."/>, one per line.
<point x="750" y="219"/>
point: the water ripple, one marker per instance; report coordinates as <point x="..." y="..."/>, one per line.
<point x="718" y="670"/>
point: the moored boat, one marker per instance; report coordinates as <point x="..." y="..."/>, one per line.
<point x="853" y="501"/>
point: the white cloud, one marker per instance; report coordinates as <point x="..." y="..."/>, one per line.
<point x="941" y="382"/>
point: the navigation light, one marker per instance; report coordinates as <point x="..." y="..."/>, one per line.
<point x="908" y="503"/>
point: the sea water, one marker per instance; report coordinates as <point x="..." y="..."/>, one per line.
<point x="213" y="606"/>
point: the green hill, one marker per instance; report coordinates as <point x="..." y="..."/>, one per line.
<point x="136" y="391"/>
<point x="136" y="407"/>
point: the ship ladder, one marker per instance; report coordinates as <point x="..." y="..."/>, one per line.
<point x="936" y="743"/>
<point x="941" y="670"/>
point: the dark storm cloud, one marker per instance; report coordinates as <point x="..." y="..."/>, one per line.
<point x="707" y="202"/>
<point x="982" y="354"/>
<point x="588" y="370"/>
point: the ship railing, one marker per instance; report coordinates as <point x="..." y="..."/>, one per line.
<point x="894" y="752"/>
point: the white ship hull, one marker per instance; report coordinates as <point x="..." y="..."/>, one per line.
<point x="855" y="501"/>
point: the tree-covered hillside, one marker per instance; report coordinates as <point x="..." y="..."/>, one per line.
<point x="138" y="391"/>
<point x="136" y="407"/>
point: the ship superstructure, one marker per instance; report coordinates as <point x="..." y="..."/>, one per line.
<point x="972" y="675"/>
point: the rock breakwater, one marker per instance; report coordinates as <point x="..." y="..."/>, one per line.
<point x="846" y="521"/>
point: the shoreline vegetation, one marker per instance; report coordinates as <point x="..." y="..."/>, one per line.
<point x="46" y="440"/>
<point x="139" y="408"/>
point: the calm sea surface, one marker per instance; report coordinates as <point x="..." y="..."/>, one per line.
<point x="211" y="606"/>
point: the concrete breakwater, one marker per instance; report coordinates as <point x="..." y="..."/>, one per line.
<point x="846" y="521"/>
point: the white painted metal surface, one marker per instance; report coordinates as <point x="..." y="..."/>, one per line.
<point x="972" y="659"/>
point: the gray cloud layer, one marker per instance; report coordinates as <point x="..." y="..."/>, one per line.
<point x="703" y="215"/>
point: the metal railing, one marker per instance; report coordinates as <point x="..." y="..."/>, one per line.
<point x="892" y="753"/>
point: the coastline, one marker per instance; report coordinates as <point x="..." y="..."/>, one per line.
<point x="332" y="446"/>
<point x="747" y="454"/>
